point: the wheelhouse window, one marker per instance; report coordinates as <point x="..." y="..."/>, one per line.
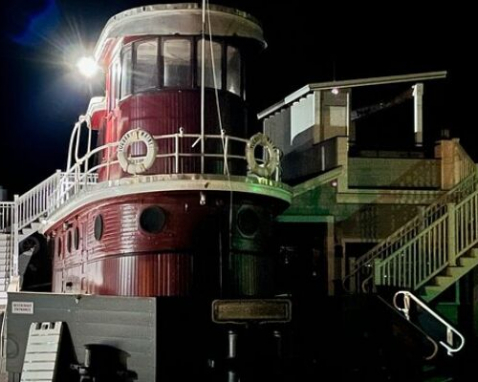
<point x="115" y="76"/>
<point x="212" y="64"/>
<point x="177" y="63"/>
<point x="145" y="66"/>
<point x="233" y="79"/>
<point x="126" y="70"/>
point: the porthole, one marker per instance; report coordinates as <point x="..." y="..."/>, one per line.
<point x="152" y="219"/>
<point x="76" y="238"/>
<point x="247" y="222"/>
<point x="59" y="247"/>
<point x="69" y="241"/>
<point x="51" y="247"/>
<point x="98" y="227"/>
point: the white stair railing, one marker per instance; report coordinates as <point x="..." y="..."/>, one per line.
<point x="426" y="232"/>
<point x="6" y="214"/>
<point x="36" y="202"/>
<point x="436" y="247"/>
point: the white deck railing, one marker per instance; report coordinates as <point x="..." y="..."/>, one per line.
<point x="221" y="152"/>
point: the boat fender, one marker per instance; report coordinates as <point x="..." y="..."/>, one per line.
<point x="269" y="166"/>
<point x="137" y="165"/>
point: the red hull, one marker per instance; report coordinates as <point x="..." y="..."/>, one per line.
<point x="181" y="259"/>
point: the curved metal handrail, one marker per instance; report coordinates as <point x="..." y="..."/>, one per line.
<point x="450" y="330"/>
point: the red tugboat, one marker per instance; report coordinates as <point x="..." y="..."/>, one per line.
<point x="179" y="208"/>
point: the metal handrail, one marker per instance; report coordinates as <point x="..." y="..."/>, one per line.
<point x="450" y="330"/>
<point x="177" y="138"/>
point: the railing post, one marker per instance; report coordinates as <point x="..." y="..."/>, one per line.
<point x="377" y="272"/>
<point x="451" y="237"/>
<point x="15" y="238"/>
<point x="225" y="140"/>
<point x="176" y="153"/>
<point x="108" y="163"/>
<point x="353" y="279"/>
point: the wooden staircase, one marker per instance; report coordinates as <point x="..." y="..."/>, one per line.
<point x="449" y="276"/>
<point x="428" y="254"/>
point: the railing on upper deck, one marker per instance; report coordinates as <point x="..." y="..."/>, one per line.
<point x="224" y="151"/>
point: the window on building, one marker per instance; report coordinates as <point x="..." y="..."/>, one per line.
<point x="177" y="63"/>
<point x="126" y="71"/>
<point x="233" y="80"/>
<point x="212" y="55"/>
<point x="146" y="66"/>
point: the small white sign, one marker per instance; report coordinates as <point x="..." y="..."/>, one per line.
<point x="22" y="307"/>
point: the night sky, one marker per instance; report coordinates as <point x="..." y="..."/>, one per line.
<point x="42" y="97"/>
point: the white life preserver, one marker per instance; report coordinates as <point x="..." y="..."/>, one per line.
<point x="271" y="161"/>
<point x="140" y="164"/>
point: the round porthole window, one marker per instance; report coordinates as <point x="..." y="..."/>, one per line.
<point x="59" y="246"/>
<point x="98" y="227"/>
<point x="68" y="241"/>
<point x="51" y="246"/>
<point x="76" y="238"/>
<point x="152" y="219"/>
<point x="247" y="222"/>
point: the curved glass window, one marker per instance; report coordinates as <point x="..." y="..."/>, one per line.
<point x="126" y="70"/>
<point x="146" y="65"/>
<point x="212" y="64"/>
<point x="177" y="63"/>
<point x="233" y="79"/>
<point x="143" y="66"/>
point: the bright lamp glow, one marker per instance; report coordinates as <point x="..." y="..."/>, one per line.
<point x="87" y="66"/>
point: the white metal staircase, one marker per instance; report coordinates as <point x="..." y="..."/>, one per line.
<point x="25" y="215"/>
<point x="429" y="253"/>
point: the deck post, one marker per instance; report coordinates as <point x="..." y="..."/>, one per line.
<point x="451" y="237"/>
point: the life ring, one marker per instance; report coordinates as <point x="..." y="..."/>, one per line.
<point x="271" y="162"/>
<point x="140" y="164"/>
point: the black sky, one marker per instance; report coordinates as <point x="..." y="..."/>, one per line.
<point x="41" y="99"/>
